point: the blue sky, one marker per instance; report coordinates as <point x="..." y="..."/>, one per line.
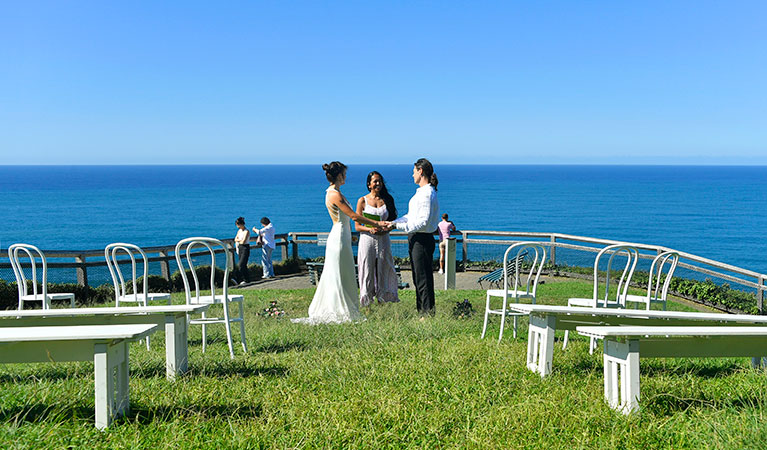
<point x="459" y="82"/>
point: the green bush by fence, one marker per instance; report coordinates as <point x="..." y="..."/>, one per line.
<point x="720" y="296"/>
<point x="707" y="292"/>
<point x="9" y="297"/>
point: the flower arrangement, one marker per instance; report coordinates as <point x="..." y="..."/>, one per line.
<point x="273" y="310"/>
<point x="463" y="310"/>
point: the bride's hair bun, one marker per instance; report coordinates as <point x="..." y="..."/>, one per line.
<point x="333" y="170"/>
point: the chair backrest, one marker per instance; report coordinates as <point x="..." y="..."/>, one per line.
<point x="187" y="246"/>
<point x="32" y="253"/>
<point x="621" y="289"/>
<point x="661" y="272"/>
<point x="111" y="253"/>
<point x="513" y="258"/>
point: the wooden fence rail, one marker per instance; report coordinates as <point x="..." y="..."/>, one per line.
<point x="289" y="243"/>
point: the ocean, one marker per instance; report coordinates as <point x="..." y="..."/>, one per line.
<point x="714" y="212"/>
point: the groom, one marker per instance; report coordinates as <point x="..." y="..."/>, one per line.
<point x="420" y="223"/>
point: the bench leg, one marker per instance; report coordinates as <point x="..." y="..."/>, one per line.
<point x="176" y="350"/>
<point x="111" y="382"/>
<point x="540" y="344"/>
<point x="759" y="362"/>
<point x="621" y="375"/>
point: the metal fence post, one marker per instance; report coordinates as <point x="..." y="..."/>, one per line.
<point x="553" y="258"/>
<point x="760" y="294"/>
<point x="449" y="263"/>
<point x="82" y="271"/>
<point x="165" y="265"/>
<point x="465" y="249"/>
<point x="231" y="261"/>
<point x="284" y="249"/>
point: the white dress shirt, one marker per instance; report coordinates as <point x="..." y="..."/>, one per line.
<point x="422" y="212"/>
<point x="242" y="238"/>
<point x="267" y="234"/>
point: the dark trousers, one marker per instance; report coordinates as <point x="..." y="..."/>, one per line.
<point x="242" y="264"/>
<point x="421" y="250"/>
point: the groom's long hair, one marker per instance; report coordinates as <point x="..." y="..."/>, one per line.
<point x="385" y="195"/>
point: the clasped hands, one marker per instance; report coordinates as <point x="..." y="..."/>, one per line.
<point x="383" y="226"/>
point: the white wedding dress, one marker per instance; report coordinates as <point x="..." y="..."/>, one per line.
<point x="335" y="300"/>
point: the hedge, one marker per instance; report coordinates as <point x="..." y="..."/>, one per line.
<point x="9" y="297"/>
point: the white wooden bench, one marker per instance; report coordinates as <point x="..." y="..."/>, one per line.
<point x="546" y="319"/>
<point x="624" y="345"/>
<point x="172" y="317"/>
<point x="105" y="345"/>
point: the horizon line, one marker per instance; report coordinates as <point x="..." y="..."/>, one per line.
<point x="394" y="164"/>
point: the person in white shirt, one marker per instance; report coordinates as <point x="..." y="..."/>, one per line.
<point x="266" y="236"/>
<point x="242" y="242"/>
<point x="420" y="223"/>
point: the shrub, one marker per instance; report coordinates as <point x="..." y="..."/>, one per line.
<point x="203" y="277"/>
<point x="720" y="296"/>
<point x="255" y="272"/>
<point x="155" y="283"/>
<point x="9" y="296"/>
<point x="288" y="266"/>
<point x="100" y="294"/>
<point x="463" y="310"/>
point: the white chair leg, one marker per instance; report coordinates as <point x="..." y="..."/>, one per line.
<point x="228" y="326"/>
<point x="487" y="314"/>
<point x="503" y="320"/>
<point x="514" y="334"/>
<point x="204" y="339"/>
<point x="564" y="341"/>
<point x="242" y="327"/>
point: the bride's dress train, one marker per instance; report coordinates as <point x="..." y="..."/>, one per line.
<point x="335" y="300"/>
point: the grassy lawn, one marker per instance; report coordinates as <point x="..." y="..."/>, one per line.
<point x="389" y="382"/>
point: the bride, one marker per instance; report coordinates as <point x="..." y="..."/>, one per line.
<point x="335" y="300"/>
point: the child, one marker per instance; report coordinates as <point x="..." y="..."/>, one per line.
<point x="445" y="227"/>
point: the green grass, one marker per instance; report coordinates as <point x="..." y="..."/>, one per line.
<point x="388" y="382"/>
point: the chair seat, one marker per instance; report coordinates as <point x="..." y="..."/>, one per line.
<point x="217" y="300"/>
<point x="140" y="297"/>
<point x="589" y="302"/>
<point x="512" y="293"/>
<point x="209" y="320"/>
<point x="51" y="296"/>
<point x="509" y="312"/>
<point x="641" y="298"/>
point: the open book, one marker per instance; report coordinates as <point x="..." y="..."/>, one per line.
<point x="371" y="217"/>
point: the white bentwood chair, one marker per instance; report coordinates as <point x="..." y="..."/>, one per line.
<point x="621" y="287"/>
<point x="522" y="253"/>
<point x="186" y="247"/>
<point x="661" y="272"/>
<point x="37" y="295"/>
<point x="112" y="252"/>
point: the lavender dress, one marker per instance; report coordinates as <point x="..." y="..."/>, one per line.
<point x="375" y="264"/>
